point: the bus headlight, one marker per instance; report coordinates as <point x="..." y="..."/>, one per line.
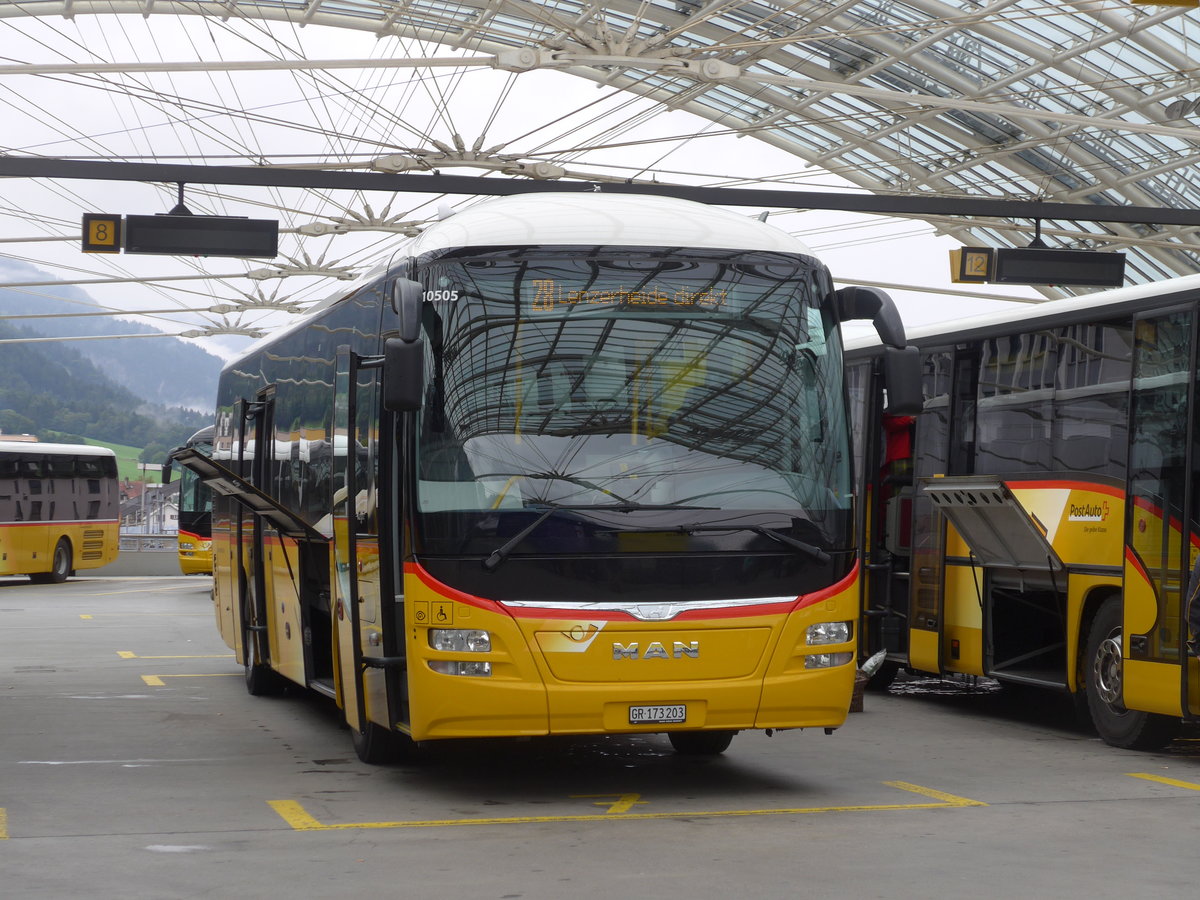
<point x="460" y="640"/>
<point x="826" y="660"/>
<point x="830" y="633"/>
<point x="186" y="545"/>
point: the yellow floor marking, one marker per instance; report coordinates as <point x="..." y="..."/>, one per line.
<point x="85" y="617"/>
<point x="157" y="680"/>
<point x="298" y="818"/>
<point x="154" y="590"/>
<point x="948" y="799"/>
<point x="129" y="654"/>
<point x="616" y="803"/>
<point x="1190" y="785"/>
<point x="3" y="824"/>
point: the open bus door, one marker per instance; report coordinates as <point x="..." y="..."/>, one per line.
<point x="261" y="511"/>
<point x="369" y="630"/>
<point x="1149" y="670"/>
<point x="254" y="441"/>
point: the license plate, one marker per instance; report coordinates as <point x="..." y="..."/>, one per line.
<point x="657" y="715"/>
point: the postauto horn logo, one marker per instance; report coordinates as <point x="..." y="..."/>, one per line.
<point x="1088" y="512"/>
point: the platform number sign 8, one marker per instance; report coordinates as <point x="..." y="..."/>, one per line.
<point x="101" y="233"/>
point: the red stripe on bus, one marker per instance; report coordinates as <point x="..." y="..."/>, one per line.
<point x="1132" y="558"/>
<point x="554" y="612"/>
<point x="832" y="591"/>
<point x="1064" y="484"/>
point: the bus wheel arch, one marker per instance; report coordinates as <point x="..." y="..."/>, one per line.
<point x="1102" y="667"/>
<point x="1090" y="607"/>
<point x="61" y="564"/>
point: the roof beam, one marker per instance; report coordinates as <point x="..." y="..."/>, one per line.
<point x="914" y="205"/>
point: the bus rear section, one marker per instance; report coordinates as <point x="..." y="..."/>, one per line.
<point x="1052" y="507"/>
<point x="58" y="509"/>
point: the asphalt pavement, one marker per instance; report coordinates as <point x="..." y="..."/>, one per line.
<point x="133" y="764"/>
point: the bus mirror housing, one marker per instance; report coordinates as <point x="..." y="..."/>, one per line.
<point x="876" y="305"/>
<point x="406" y="302"/>
<point x="166" y="470"/>
<point x="403" y="374"/>
<point x="902" y="378"/>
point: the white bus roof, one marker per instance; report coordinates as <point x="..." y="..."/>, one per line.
<point x="1100" y="305"/>
<point x="590" y="219"/>
<point x="35" y="447"/>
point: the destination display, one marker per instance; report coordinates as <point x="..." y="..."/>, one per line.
<point x="181" y="235"/>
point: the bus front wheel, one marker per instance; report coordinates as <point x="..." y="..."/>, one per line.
<point x="1104" y="683"/>
<point x="261" y="679"/>
<point x="377" y="746"/>
<point x="700" y="743"/>
<point x="60" y="566"/>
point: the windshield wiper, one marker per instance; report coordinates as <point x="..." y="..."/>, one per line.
<point x="778" y="536"/>
<point x="555" y="476"/>
<point x="502" y="552"/>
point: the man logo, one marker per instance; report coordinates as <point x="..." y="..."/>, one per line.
<point x="656" y="651"/>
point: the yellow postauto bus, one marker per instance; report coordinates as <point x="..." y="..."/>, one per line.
<point x="575" y="464"/>
<point x="195" y="510"/>
<point x="58" y="509"/>
<point x="1037" y="521"/>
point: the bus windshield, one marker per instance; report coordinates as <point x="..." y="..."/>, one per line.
<point x="642" y="391"/>
<point x="194" y="495"/>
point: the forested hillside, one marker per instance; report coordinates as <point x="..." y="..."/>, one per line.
<point x="159" y="369"/>
<point x="51" y="390"/>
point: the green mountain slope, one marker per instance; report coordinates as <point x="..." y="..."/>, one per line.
<point x="159" y="368"/>
<point x="52" y="391"/>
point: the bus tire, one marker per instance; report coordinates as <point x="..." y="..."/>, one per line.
<point x="700" y="743"/>
<point x="1116" y="725"/>
<point x="376" y="746"/>
<point x="261" y="679"/>
<point x="60" y="565"/>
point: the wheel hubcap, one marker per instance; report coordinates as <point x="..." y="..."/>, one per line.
<point x="1106" y="671"/>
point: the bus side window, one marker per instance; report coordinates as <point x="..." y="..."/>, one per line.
<point x="93" y="485"/>
<point x="35" y="485"/>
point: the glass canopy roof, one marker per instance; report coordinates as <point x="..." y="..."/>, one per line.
<point x="1089" y="102"/>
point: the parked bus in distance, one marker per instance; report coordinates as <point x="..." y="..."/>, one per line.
<point x="195" y="509"/>
<point x="574" y="464"/>
<point x="58" y="509"/>
<point x="1037" y="522"/>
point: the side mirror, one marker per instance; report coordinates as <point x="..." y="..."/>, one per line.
<point x="166" y="469"/>
<point x="406" y="302"/>
<point x="873" y="304"/>
<point x="403" y="374"/>
<point x="902" y="379"/>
